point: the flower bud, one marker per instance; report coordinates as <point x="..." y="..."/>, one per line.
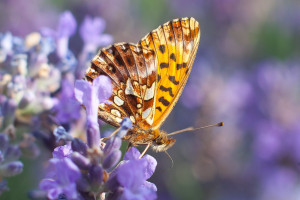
<point x="126" y="124"/>
<point x="3" y="186"/>
<point x="11" y="169"/>
<point x="83" y="185"/>
<point x="8" y="111"/>
<point x="1" y="157"/>
<point x="112" y="184"/>
<point x="79" y="146"/>
<point x="3" y="142"/>
<point x="95" y="176"/>
<point x="61" y="134"/>
<point x="112" y="144"/>
<point x="12" y="153"/>
<point x="112" y="159"/>
<point x="81" y="161"/>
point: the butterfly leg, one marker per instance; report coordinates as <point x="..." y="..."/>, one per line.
<point x="145" y="150"/>
<point x="111" y="135"/>
<point x="129" y="146"/>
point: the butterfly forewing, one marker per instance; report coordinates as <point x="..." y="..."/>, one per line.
<point x="147" y="77"/>
<point x="175" y="44"/>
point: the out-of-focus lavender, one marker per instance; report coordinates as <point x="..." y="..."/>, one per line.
<point x="38" y="95"/>
<point x="37" y="75"/>
<point x="262" y="102"/>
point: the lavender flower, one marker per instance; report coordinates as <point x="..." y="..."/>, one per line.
<point x="8" y="108"/>
<point x="6" y="46"/>
<point x="67" y="109"/>
<point x="62" y="175"/>
<point x="65" y="29"/>
<point x="91" y="31"/>
<point x="61" y="134"/>
<point x="128" y="181"/>
<point x="64" y="178"/>
<point x="9" y="166"/>
<point x="3" y="186"/>
<point x="91" y="95"/>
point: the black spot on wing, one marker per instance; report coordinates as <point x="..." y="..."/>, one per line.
<point x="158" y="78"/>
<point x="173" y="57"/>
<point x="164" y="101"/>
<point x="162" y="48"/>
<point x="172" y="79"/>
<point x="159" y="108"/>
<point x="164" y="65"/>
<point x="169" y="89"/>
<point x="129" y="61"/>
<point x="179" y="66"/>
<point x="119" y="60"/>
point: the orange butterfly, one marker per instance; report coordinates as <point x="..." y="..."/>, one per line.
<point x="148" y="78"/>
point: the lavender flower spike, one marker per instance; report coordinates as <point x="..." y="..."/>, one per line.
<point x="62" y="175"/>
<point x="91" y="31"/>
<point x="65" y="29"/>
<point x="9" y="166"/>
<point x="128" y="181"/>
<point x="91" y="95"/>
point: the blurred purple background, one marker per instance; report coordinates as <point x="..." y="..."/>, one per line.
<point x="246" y="73"/>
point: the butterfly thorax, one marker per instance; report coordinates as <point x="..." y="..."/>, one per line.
<point x="158" y="139"/>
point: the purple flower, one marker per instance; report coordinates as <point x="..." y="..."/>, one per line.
<point x="67" y="108"/>
<point x="3" y="186"/>
<point x="8" y="108"/>
<point x="112" y="153"/>
<point x="91" y="95"/>
<point x="131" y="176"/>
<point x="65" y="29"/>
<point x="6" y="45"/>
<point x="66" y="25"/>
<point x="9" y="154"/>
<point x="62" y="152"/>
<point x="91" y="31"/>
<point x="62" y="175"/>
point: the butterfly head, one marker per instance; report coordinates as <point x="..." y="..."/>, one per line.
<point x="162" y="142"/>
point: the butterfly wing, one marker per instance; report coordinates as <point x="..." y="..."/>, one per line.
<point x="132" y="70"/>
<point x="148" y="77"/>
<point x="175" y="45"/>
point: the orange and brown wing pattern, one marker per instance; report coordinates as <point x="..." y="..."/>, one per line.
<point x="175" y="44"/>
<point x="132" y="70"/>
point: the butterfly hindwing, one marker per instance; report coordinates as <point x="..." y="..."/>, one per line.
<point x="132" y="71"/>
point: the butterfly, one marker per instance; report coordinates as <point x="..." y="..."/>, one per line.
<point x="148" y="79"/>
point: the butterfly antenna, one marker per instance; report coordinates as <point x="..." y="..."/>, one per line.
<point x="193" y="129"/>
<point x="170" y="158"/>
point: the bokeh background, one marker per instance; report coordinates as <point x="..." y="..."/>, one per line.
<point x="246" y="74"/>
